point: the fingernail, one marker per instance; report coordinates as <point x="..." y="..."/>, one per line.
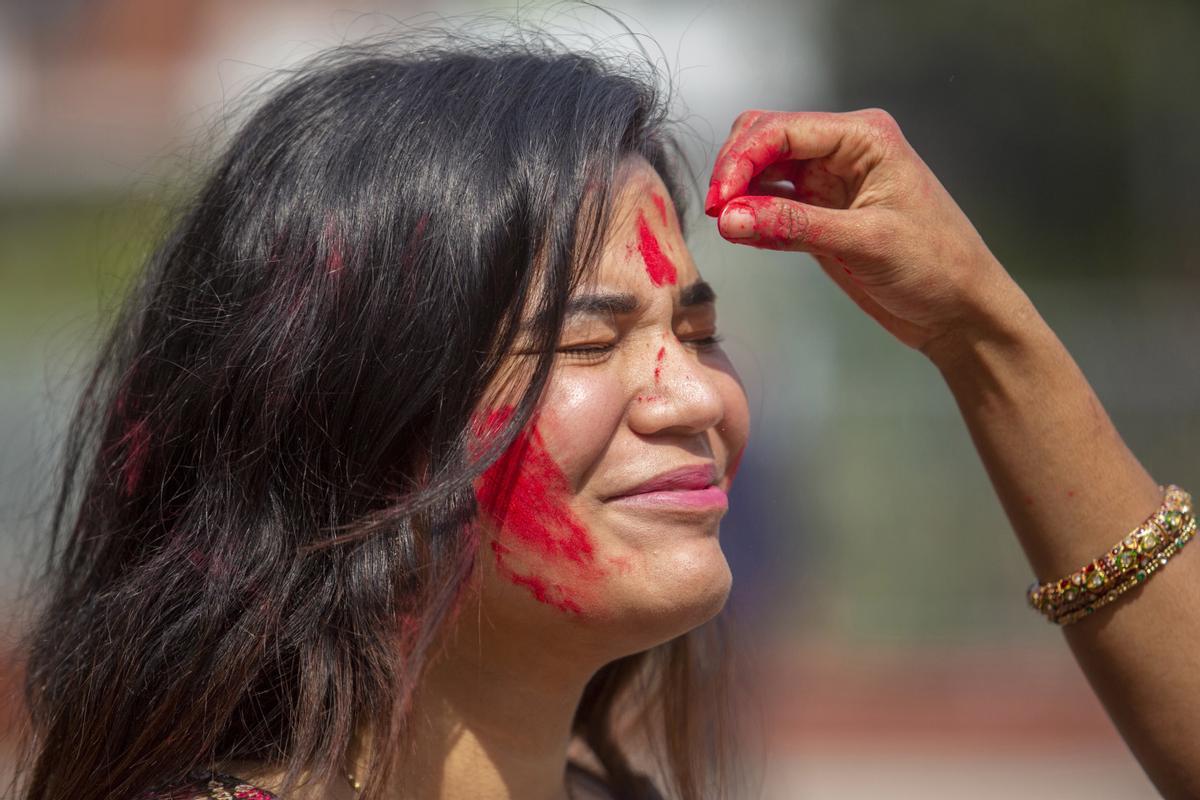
<point x="713" y="200"/>
<point x="736" y="222"/>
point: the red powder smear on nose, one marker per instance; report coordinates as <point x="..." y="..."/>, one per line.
<point x="662" y="352"/>
<point x="658" y="266"/>
<point x="662" y="206"/>
<point x="527" y="495"/>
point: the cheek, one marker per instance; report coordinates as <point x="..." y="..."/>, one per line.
<point x="581" y="413"/>
<point x="540" y="544"/>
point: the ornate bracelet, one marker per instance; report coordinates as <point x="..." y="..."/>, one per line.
<point x="1129" y="563"/>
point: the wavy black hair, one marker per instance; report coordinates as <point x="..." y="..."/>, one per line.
<point x="271" y="463"/>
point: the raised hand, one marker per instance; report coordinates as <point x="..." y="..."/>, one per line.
<point x="850" y="190"/>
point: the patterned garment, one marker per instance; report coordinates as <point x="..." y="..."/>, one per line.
<point x="210" y="786"/>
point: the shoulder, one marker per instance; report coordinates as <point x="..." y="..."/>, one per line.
<point x="208" y="786"/>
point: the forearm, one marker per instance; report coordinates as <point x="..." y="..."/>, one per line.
<point x="1072" y="489"/>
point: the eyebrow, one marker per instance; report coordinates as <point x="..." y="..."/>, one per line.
<point x="697" y="294"/>
<point x="614" y="304"/>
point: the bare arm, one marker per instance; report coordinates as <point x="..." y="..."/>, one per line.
<point x="849" y="190"/>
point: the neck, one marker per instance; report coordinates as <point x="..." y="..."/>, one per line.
<point x="491" y="719"/>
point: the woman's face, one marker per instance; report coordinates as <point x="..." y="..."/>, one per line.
<point x="604" y="514"/>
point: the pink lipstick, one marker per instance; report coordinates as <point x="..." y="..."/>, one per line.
<point x="692" y="487"/>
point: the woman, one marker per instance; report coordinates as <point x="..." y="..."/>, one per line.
<point x="401" y="473"/>
<point x="365" y="493"/>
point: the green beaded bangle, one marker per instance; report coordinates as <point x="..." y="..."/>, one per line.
<point x="1129" y="563"/>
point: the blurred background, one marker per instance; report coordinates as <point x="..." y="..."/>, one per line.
<point x="879" y="591"/>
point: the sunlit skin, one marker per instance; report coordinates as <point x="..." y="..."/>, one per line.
<point x="638" y="389"/>
<point x="569" y="578"/>
<point x="637" y="392"/>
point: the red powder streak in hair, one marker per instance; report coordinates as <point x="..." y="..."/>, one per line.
<point x="662" y="352"/>
<point x="662" y="206"/>
<point x="333" y="262"/>
<point x="658" y="266"/>
<point x="138" y="439"/>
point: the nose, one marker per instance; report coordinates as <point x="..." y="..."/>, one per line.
<point x="673" y="392"/>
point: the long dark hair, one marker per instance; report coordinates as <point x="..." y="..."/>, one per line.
<point x="272" y="461"/>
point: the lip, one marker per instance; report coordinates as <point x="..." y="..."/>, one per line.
<point x="693" y="478"/>
<point x="692" y="489"/>
<point x="710" y="498"/>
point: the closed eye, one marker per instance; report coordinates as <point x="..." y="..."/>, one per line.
<point x="706" y="343"/>
<point x="587" y="352"/>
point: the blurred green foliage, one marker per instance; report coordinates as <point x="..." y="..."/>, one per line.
<point x="73" y="253"/>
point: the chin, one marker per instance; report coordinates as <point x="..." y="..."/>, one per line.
<point x="683" y="590"/>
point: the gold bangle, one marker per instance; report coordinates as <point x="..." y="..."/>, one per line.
<point x="1130" y="562"/>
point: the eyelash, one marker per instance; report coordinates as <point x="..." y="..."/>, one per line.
<point x="596" y="351"/>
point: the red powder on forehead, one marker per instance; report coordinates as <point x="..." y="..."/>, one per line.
<point x="527" y="495"/>
<point x="662" y="206"/>
<point x="658" y="266"/>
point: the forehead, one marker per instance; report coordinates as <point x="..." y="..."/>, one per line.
<point x="644" y="250"/>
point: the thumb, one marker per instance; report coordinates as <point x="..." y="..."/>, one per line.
<point x="776" y="223"/>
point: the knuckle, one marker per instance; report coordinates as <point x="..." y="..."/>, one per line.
<point x="880" y="120"/>
<point x="745" y="119"/>
<point x="791" y="222"/>
<point x="878" y="126"/>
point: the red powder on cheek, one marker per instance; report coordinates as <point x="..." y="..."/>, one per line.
<point x="526" y="494"/>
<point x="622" y="563"/>
<point x="528" y="497"/>
<point x="662" y="206"/>
<point x="658" y="266"/>
<point x="553" y="595"/>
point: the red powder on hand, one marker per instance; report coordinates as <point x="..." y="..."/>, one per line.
<point x="658" y="266"/>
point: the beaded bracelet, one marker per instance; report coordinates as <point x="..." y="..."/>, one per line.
<point x="1129" y="563"/>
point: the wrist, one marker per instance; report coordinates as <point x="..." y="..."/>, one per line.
<point x="999" y="318"/>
